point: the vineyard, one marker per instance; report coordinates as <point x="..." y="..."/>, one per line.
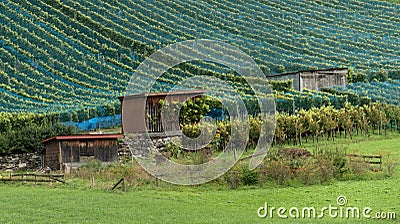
<point x="388" y="92"/>
<point x="63" y="56"/>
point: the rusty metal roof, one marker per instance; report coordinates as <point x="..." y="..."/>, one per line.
<point x="84" y="137"/>
<point x="163" y="94"/>
<point x="302" y="71"/>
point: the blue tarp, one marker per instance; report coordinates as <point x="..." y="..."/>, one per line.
<point x="96" y="123"/>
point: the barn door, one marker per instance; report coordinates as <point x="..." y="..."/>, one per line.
<point x="70" y="152"/>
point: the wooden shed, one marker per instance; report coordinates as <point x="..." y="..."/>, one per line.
<point x="141" y="112"/>
<point x="314" y="79"/>
<point x="72" y="151"/>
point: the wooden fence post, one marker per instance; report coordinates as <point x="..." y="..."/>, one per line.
<point x="92" y="182"/>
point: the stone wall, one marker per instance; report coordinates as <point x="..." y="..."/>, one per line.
<point x="136" y="144"/>
<point x="20" y="162"/>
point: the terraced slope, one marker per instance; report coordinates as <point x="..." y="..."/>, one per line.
<point x="387" y="92"/>
<point x="62" y="55"/>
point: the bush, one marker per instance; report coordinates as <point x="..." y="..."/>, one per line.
<point x="394" y="74"/>
<point x="28" y="138"/>
<point x="354" y="77"/>
<point x="358" y="169"/>
<point x="378" y="76"/>
<point x="288" y="166"/>
<point x="232" y="178"/>
<point x="318" y="171"/>
<point x="173" y="149"/>
<point x="248" y="177"/>
<point x="241" y="175"/>
<point x="278" y="171"/>
<point x="281" y="85"/>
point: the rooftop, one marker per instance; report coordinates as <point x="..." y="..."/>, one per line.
<point x="163" y="94"/>
<point x="84" y="137"/>
<point x="301" y="71"/>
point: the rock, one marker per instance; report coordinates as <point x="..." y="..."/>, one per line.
<point x="20" y="162"/>
<point x="10" y="166"/>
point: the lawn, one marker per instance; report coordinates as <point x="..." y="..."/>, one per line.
<point x="27" y="204"/>
<point x="209" y="203"/>
<point x="386" y="144"/>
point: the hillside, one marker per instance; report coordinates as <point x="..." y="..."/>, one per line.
<point x="61" y="55"/>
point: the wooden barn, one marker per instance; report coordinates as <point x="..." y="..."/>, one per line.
<point x="314" y="79"/>
<point x="65" y="152"/>
<point x="141" y="112"/>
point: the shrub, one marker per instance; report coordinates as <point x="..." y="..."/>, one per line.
<point x="232" y="178"/>
<point x="248" y="177"/>
<point x="241" y="175"/>
<point x="278" y="171"/>
<point x="198" y="157"/>
<point x="317" y="171"/>
<point x="28" y="138"/>
<point x="378" y="76"/>
<point x="286" y="166"/>
<point x="173" y="149"/>
<point x="282" y="85"/>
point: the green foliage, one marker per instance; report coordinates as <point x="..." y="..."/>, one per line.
<point x="173" y="149"/>
<point x="281" y="85"/>
<point x="232" y="178"/>
<point x="248" y="177"/>
<point x="394" y="73"/>
<point x="94" y="165"/>
<point x="241" y="175"/>
<point x="58" y="56"/>
<point x="383" y="92"/>
<point x="193" y="110"/>
<point x="28" y="138"/>
<point x="378" y="76"/>
<point x="358" y="76"/>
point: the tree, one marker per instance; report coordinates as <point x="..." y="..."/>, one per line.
<point x="378" y="76"/>
<point x="346" y="119"/>
<point x="354" y="76"/>
<point x="329" y="120"/>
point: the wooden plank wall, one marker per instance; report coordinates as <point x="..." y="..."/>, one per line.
<point x="51" y="156"/>
<point x="105" y="150"/>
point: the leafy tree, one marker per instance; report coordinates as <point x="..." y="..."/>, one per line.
<point x="28" y="138"/>
<point x="379" y="76"/>
<point x="354" y="76"/>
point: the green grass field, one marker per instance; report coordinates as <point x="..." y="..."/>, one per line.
<point x="209" y="203"/>
<point x="386" y="144"/>
<point x="25" y="204"/>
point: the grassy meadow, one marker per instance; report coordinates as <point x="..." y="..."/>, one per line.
<point x="212" y="202"/>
